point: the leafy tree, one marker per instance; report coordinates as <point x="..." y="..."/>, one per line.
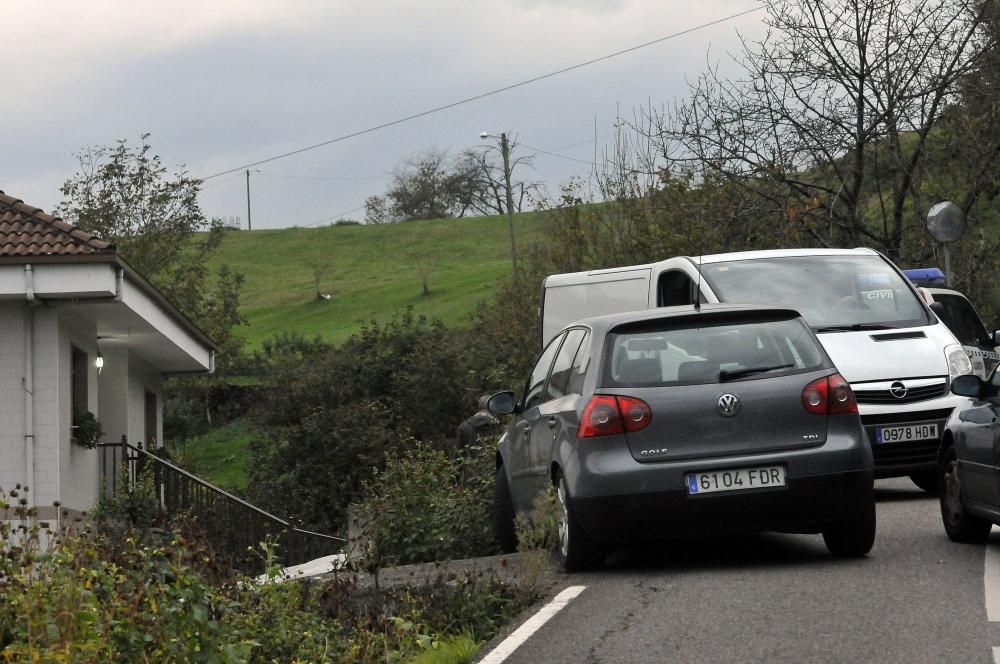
<point x="125" y="195"/>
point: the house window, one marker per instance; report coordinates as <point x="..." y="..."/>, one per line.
<point x="79" y="367"/>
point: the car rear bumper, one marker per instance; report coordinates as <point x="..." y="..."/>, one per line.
<point x="805" y="504"/>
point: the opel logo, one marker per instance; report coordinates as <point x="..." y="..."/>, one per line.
<point x="897" y="390"/>
<point x="729" y="404"/>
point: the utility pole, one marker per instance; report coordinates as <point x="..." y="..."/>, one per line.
<point x="249" y="227"/>
<point x="505" y="151"/>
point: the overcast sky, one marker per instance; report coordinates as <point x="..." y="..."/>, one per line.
<point x="219" y="84"/>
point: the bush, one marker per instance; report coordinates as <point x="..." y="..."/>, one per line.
<point x="91" y="599"/>
<point x="330" y="413"/>
<point x="426" y="505"/>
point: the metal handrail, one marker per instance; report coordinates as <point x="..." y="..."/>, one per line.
<point x="175" y="495"/>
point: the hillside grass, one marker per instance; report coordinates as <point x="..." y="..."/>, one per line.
<point x="375" y="272"/>
<point x="220" y="456"/>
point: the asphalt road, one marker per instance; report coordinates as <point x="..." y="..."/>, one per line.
<point x="917" y="597"/>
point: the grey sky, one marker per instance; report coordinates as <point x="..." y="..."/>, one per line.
<point x="223" y="83"/>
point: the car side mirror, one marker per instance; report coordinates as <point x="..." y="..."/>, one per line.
<point x="995" y="337"/>
<point x="968" y="386"/>
<point x="502" y="403"/>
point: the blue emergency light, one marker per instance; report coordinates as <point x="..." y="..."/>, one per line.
<point x="925" y="276"/>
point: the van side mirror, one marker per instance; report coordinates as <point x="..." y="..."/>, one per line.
<point x="968" y="386"/>
<point x="502" y="403"/>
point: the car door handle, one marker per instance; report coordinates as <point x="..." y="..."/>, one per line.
<point x="553" y="421"/>
<point x="526" y="428"/>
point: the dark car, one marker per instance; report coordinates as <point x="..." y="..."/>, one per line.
<point x="969" y="479"/>
<point x="681" y="422"/>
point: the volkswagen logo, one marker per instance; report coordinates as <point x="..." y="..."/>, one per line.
<point x="897" y="390"/>
<point x="729" y="404"/>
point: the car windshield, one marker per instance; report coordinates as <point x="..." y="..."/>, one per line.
<point x="669" y="352"/>
<point x="833" y="293"/>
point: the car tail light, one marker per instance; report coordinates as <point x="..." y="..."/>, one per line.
<point x="831" y="395"/>
<point x="606" y="415"/>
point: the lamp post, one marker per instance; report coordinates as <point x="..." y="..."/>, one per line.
<point x="505" y="153"/>
<point x="256" y="170"/>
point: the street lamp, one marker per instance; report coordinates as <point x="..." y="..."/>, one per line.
<point x="256" y="170"/>
<point x="505" y="153"/>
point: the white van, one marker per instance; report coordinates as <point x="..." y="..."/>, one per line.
<point x="897" y="355"/>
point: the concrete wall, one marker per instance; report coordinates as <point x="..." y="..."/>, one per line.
<point x="12" y="446"/>
<point x="78" y="467"/>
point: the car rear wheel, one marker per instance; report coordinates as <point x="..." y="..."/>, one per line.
<point x="958" y="523"/>
<point x="853" y="538"/>
<point x="926" y="480"/>
<point x="503" y="513"/>
<point x="577" y="550"/>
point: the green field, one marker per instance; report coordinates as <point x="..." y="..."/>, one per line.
<point x="375" y="272"/>
<point x="220" y="456"/>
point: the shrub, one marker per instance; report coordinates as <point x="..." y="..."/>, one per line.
<point x="426" y="505"/>
<point x="330" y="413"/>
<point x="91" y="599"/>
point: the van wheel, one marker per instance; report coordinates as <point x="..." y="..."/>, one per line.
<point x="926" y="480"/>
<point x="503" y="513"/>
<point x="854" y="538"/>
<point x="959" y="524"/>
<point x="577" y="550"/>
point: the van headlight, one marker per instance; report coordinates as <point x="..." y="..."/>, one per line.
<point x="958" y="361"/>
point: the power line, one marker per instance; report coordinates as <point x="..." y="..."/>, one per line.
<point x="336" y="216"/>
<point x="553" y="154"/>
<point x="319" y="177"/>
<point x="483" y="95"/>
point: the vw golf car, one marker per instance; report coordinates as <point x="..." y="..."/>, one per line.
<point x="681" y="422"/>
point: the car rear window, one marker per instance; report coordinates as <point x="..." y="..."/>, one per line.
<point x="665" y="354"/>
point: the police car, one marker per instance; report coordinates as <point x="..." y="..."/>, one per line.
<point x="955" y="311"/>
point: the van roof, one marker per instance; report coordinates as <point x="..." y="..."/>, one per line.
<point x="781" y="253"/>
<point x="569" y="278"/>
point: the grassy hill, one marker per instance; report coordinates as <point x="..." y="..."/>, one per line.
<point x="374" y="272"/>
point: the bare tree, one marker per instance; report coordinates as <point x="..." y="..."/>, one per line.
<point x="831" y="122"/>
<point x="483" y="171"/>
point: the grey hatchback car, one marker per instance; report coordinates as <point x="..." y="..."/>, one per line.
<point x="682" y="422"/>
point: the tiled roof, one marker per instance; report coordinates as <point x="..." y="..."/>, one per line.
<point x="27" y="231"/>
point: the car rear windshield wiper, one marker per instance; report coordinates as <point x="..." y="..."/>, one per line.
<point x="854" y="327"/>
<point x="740" y="373"/>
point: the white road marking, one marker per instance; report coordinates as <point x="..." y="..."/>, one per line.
<point x="531" y="625"/>
<point x="991" y="581"/>
<point x="996" y="656"/>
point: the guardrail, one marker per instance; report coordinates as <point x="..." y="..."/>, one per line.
<point x="232" y="526"/>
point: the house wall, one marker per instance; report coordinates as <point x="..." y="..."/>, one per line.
<point x="78" y="478"/>
<point x="142" y="377"/>
<point x="12" y="445"/>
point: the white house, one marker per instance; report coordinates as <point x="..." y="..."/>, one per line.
<point x="67" y="299"/>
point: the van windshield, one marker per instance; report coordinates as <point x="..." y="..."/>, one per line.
<point x="833" y="293"/>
